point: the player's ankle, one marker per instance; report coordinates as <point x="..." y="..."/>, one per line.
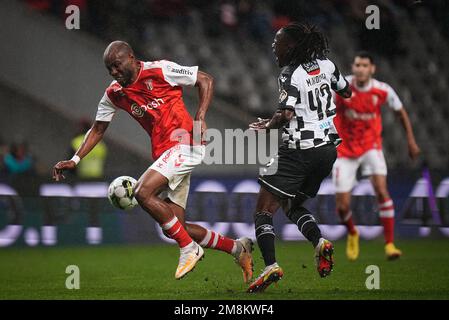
<point x="187" y="246"/>
<point x="273" y="265"/>
<point x="237" y="249"/>
<point x="320" y="243"/>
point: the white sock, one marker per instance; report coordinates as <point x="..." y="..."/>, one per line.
<point x="234" y="249"/>
<point x="189" y="246"/>
<point x="274" y="265"/>
<point x="317" y="248"/>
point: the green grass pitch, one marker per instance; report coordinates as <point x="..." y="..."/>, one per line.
<point x="147" y="272"/>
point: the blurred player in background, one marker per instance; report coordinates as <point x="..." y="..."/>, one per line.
<point x="359" y="124"/>
<point x="151" y="93"/>
<point x="308" y="152"/>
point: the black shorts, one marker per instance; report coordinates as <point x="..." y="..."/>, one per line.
<point x="296" y="171"/>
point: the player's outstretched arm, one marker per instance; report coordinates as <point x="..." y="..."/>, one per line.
<point x="92" y="137"/>
<point x="413" y="148"/>
<point x="279" y="119"/>
<point x="205" y="84"/>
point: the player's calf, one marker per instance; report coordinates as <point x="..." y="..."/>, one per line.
<point x="306" y="223"/>
<point x="265" y="236"/>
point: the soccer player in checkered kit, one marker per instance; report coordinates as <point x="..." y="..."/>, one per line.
<point x="359" y="124"/>
<point x="151" y="93"/>
<point x="305" y="115"/>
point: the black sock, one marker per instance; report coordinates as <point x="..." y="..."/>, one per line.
<point x="265" y="236"/>
<point x="306" y="223"/>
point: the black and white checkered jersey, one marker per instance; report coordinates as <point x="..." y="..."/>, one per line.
<point x="306" y="89"/>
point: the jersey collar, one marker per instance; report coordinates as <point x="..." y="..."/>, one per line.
<point x="365" y="88"/>
<point x="140" y="72"/>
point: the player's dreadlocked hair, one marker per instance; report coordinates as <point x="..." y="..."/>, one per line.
<point x="310" y="42"/>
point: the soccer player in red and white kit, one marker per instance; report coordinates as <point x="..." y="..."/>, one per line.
<point x="151" y="93"/>
<point x="359" y="124"/>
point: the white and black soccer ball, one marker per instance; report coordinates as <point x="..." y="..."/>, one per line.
<point x="120" y="193"/>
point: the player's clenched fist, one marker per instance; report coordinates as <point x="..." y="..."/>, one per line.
<point x="60" y="167"/>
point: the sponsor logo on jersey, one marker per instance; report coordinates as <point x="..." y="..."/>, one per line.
<point x="311" y="67"/>
<point x="137" y="111"/>
<point x="180" y="71"/>
<point x="354" y="115"/>
<point x="325" y="124"/>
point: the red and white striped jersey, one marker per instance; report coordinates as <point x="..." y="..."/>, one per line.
<point x="155" y="101"/>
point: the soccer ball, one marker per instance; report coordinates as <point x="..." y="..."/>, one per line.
<point x="120" y="193"/>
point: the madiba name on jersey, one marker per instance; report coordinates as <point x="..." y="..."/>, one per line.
<point x="306" y="89"/>
<point x="155" y="101"/>
<point x="358" y="118"/>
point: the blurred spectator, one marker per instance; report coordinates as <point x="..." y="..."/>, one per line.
<point x="228" y="14"/>
<point x="56" y="7"/>
<point x="255" y="18"/>
<point x="169" y="11"/>
<point x="279" y="21"/>
<point x="92" y="165"/>
<point x="18" y="160"/>
<point x="40" y="5"/>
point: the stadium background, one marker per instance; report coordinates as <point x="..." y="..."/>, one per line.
<point x="52" y="78"/>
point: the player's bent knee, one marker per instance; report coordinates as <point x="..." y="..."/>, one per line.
<point x="143" y="195"/>
<point x="142" y="189"/>
<point x="343" y="205"/>
<point x="343" y="208"/>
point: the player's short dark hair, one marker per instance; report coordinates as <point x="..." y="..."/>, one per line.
<point x="310" y="42"/>
<point x="365" y="55"/>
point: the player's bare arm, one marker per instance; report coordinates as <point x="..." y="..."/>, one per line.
<point x="205" y="84"/>
<point x="91" y="139"/>
<point x="413" y="148"/>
